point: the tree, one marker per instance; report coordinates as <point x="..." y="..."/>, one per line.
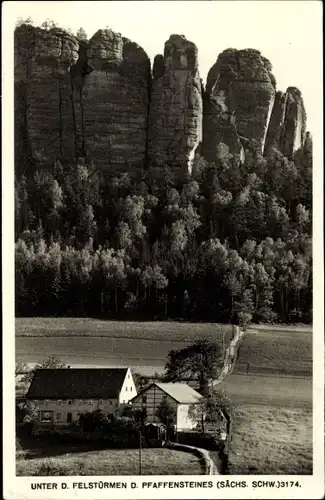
<point x="26" y="412"/>
<point x="48" y="24"/>
<point x="201" y="360"/>
<point x="197" y="413"/>
<point x="51" y="362"/>
<point x="20" y="367"/>
<point x="139" y="417"/>
<point x="20" y="21"/>
<point x="81" y="34"/>
<point x="92" y="421"/>
<point x="208" y="410"/>
<point x="166" y="413"/>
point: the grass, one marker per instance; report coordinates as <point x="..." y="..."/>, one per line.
<point x="287" y="392"/>
<point x="142" y="345"/>
<point x="271" y="440"/>
<point x="158" y="461"/>
<point x="279" y="351"/>
<point x="148" y="330"/>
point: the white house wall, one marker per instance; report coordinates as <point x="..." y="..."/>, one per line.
<point x="184" y="422"/>
<point x="61" y="408"/>
<point x="128" y="390"/>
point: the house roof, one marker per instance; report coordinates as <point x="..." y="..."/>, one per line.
<point x="77" y="383"/>
<point x="180" y="392"/>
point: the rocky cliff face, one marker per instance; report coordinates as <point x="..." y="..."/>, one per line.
<point x="81" y="98"/>
<point x="288" y="123"/>
<point x="43" y="119"/>
<point x="175" y="117"/>
<point x="238" y="102"/>
<point x="98" y="99"/>
<point x="113" y="102"/>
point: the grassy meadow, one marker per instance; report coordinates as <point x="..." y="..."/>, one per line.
<point x="154" y="461"/>
<point x="286" y="350"/>
<point x="92" y="342"/>
<point x="287" y="392"/>
<point x="147" y="330"/>
<point x="271" y="440"/>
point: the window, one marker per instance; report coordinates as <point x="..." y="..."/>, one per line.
<point x="69" y="402"/>
<point x="59" y="401"/>
<point x="101" y="402"/>
<point x="126" y="388"/>
<point x="58" y="416"/>
<point x="128" y="375"/>
<point x="46" y="416"/>
<point x="69" y="417"/>
<point x="46" y="402"/>
<point x="123" y="400"/>
<point x="144" y="398"/>
<point x="90" y="402"/>
<point x="131" y="388"/>
<point x="111" y="403"/>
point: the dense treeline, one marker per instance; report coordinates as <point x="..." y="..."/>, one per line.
<point x="228" y="243"/>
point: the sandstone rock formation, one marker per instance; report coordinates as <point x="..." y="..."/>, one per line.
<point x="238" y="102"/>
<point x="114" y="101"/>
<point x="288" y="123"/>
<point x="43" y="118"/>
<point x="308" y="143"/>
<point x="97" y="99"/>
<point x="175" y="116"/>
<point x="81" y="98"/>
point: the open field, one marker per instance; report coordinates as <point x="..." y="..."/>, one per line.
<point x="270" y="350"/>
<point x="271" y="440"/>
<point x="148" y="330"/>
<point x="287" y="392"/>
<point x="90" y="342"/>
<point x="278" y="350"/>
<point x="159" y="461"/>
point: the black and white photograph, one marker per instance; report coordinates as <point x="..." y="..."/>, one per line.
<point x="163" y="241"/>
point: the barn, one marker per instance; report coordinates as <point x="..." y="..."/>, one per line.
<point x="178" y="396"/>
<point x="61" y="395"/>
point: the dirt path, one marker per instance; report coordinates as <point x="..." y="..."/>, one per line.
<point x="208" y="464"/>
<point x="230" y="357"/>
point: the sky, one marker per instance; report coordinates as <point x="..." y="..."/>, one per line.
<point x="288" y="33"/>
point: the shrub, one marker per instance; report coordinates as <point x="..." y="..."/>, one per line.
<point x="51" y="468"/>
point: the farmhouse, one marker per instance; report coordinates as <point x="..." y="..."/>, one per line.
<point x="61" y="395"/>
<point x="178" y="395"/>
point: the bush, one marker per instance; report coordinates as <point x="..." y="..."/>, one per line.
<point x="51" y="468"/>
<point x="198" y="439"/>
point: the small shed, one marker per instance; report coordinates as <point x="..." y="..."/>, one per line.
<point x="155" y="434"/>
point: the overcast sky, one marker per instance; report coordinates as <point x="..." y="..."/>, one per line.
<point x="288" y="33"/>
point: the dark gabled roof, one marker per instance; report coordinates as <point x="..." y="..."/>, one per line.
<point x="77" y="383"/>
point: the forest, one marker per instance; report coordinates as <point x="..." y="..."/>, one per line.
<point x="227" y="243"/>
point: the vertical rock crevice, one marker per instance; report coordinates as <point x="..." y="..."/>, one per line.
<point x="78" y="74"/>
